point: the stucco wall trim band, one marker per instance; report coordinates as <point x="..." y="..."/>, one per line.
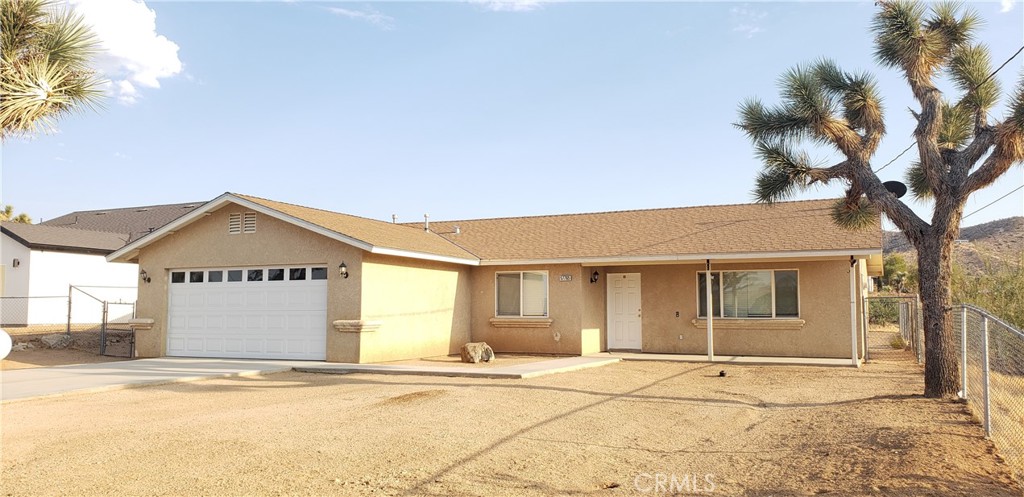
<point x="521" y="323"/>
<point x="356" y="325"/>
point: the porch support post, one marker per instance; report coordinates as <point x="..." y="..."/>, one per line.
<point x="710" y="312"/>
<point x="853" y="311"/>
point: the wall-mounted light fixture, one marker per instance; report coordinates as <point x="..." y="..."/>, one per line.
<point x="144" y="276"/>
<point x="594" y="277"/>
<point x="16" y="262"/>
<point x="343" y="270"/>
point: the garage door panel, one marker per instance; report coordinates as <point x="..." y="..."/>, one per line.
<point x="266" y="319"/>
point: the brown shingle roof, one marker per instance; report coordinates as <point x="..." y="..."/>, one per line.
<point x="380" y="234"/>
<point x="801" y="226"/>
<point x="133" y="221"/>
<point x="57" y="238"/>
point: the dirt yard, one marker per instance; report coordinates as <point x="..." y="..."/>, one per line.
<point x="628" y="429"/>
<point x="84" y="348"/>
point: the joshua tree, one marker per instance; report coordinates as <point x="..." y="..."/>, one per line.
<point x="960" y="151"/>
<point x="44" y="74"/>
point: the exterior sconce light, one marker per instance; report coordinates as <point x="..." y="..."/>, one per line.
<point x="594" y="277"/>
<point x="343" y="270"/>
<point x="144" y="276"/>
<point x="16" y="262"/>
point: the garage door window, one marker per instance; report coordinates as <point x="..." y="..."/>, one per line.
<point x="178" y="277"/>
<point x="318" y="273"/>
<point x="235" y="275"/>
<point x="298" y="273"/>
<point x="195" y="277"/>
<point x="255" y="275"/>
<point x="215" y="276"/>
<point x="275" y="275"/>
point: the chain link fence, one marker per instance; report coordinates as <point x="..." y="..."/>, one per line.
<point x="897" y="313"/>
<point x="95" y="319"/>
<point x="992" y="379"/>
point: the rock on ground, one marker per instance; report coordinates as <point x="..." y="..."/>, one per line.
<point x="56" y="341"/>
<point x="474" y="352"/>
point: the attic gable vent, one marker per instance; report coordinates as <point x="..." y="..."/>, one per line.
<point x="249" y="223"/>
<point x="234" y="223"/>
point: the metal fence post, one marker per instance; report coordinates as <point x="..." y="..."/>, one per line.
<point x="103" y="331"/>
<point x="68" y="330"/>
<point x="985" y="377"/>
<point x="963" y="351"/>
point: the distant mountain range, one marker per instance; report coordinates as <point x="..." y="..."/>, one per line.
<point x="996" y="241"/>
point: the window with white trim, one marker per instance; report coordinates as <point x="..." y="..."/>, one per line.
<point x="750" y="294"/>
<point x="521" y="294"/>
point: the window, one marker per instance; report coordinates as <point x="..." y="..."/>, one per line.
<point x="318" y="273"/>
<point x="249" y="222"/>
<point x="215" y="276"/>
<point x="234" y="223"/>
<point x="750" y="294"/>
<point x="275" y="275"/>
<point x="297" y="273"/>
<point x="521" y="294"/>
<point x="195" y="277"/>
<point x="235" y="275"/>
<point x="178" y="277"/>
<point x="255" y="275"/>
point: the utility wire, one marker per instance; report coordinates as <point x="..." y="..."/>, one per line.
<point x="992" y="202"/>
<point x="972" y="90"/>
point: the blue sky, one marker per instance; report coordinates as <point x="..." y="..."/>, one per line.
<point x="456" y="109"/>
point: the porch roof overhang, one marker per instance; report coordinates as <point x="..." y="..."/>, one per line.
<point x="647" y="260"/>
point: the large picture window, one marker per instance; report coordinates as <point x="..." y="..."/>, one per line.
<point x="750" y="294"/>
<point x="521" y="294"/>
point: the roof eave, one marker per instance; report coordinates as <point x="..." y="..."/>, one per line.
<point x="861" y="253"/>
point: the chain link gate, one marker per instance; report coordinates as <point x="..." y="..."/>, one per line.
<point x="97" y="319"/>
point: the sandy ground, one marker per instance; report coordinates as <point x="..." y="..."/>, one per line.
<point x="632" y="428"/>
<point x="84" y="349"/>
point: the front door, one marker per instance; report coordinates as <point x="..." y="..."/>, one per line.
<point x="624" y="311"/>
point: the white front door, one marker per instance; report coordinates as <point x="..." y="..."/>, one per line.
<point x="624" y="314"/>
<point x="269" y="312"/>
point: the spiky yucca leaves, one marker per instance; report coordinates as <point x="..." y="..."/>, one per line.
<point x="906" y="39"/>
<point x="45" y="73"/>
<point x="855" y="213"/>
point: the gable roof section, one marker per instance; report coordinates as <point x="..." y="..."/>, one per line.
<point x="745" y="231"/>
<point x="374" y="236"/>
<point x="133" y="222"/>
<point x="56" y="238"/>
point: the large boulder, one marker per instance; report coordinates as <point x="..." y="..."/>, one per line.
<point x="474" y="352"/>
<point x="56" y="341"/>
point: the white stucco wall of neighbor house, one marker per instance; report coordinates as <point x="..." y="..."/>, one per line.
<point x="15" y="279"/>
<point x="50" y="274"/>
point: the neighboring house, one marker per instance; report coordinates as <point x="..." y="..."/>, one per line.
<point x="246" y="277"/>
<point x="40" y="262"/>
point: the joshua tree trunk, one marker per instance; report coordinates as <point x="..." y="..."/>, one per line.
<point x="935" y="266"/>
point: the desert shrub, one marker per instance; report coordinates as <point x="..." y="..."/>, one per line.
<point x="999" y="289"/>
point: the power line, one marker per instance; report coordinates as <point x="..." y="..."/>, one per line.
<point x="972" y="90"/>
<point x="992" y="202"/>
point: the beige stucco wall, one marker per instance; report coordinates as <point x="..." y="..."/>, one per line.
<point x="565" y="309"/>
<point x="824" y="306"/>
<point x="423" y="308"/>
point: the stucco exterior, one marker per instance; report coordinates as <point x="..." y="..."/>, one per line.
<point x="426" y="299"/>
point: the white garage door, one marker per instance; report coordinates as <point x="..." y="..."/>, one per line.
<point x="254" y="312"/>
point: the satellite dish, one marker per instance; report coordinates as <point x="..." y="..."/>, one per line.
<point x="896" y="188"/>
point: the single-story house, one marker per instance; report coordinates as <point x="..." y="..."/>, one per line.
<point x="41" y="261"/>
<point x="247" y="277"/>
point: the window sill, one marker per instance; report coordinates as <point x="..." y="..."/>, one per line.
<point x="750" y="324"/>
<point x="521" y="322"/>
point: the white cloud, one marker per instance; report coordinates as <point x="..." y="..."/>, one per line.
<point x="510" y="5"/>
<point x="747" y="21"/>
<point x="1005" y="5"/>
<point x="371" y="16"/>
<point x="133" y="54"/>
<point x="121" y="156"/>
